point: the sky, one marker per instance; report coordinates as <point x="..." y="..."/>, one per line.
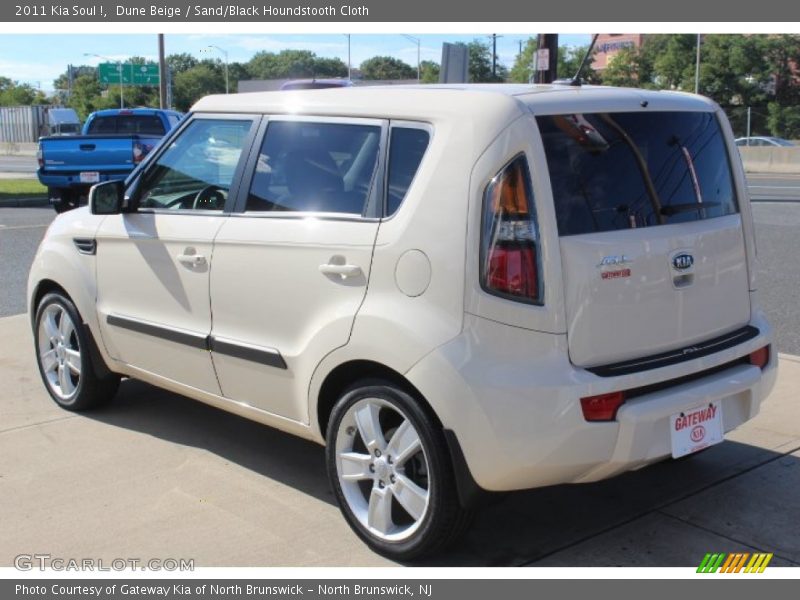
<point x="39" y="59"/>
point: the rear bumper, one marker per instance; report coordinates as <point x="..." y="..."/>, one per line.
<point x="73" y="180"/>
<point x="512" y="399"/>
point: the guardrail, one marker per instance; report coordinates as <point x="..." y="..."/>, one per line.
<point x="785" y="161"/>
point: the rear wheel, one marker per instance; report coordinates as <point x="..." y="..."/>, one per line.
<point x="62" y="354"/>
<point x="64" y="200"/>
<point x="390" y="470"/>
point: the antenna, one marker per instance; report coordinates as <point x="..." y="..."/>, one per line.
<point x="576" y="81"/>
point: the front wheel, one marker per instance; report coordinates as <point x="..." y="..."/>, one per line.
<point x="389" y="467"/>
<point x="63" y="356"/>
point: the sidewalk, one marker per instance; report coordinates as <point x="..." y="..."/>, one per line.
<point x="155" y="474"/>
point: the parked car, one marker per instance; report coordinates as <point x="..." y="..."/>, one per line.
<point x="457" y="290"/>
<point x="761" y="141"/>
<point x="315" y="84"/>
<point x="112" y="143"/>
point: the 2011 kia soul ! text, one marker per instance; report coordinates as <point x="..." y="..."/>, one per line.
<point x="455" y="289"/>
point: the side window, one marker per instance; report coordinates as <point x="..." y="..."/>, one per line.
<point x="406" y="148"/>
<point x="315" y="167"/>
<point x="196" y="170"/>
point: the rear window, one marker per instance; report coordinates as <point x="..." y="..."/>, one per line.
<point x="127" y="125"/>
<point x="613" y="171"/>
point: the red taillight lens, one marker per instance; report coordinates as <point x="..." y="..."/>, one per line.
<point x="509" y="245"/>
<point x="40" y="156"/>
<point x="603" y="407"/>
<point x="513" y="271"/>
<point x="138" y="153"/>
<point x="760" y="357"/>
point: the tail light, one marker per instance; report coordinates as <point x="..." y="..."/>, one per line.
<point x="603" y="407"/>
<point x="760" y="357"/>
<point x="138" y="153"/>
<point x="40" y="156"/>
<point x="510" y="265"/>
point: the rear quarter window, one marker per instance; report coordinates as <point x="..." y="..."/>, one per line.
<point x="406" y="148"/>
<point x="612" y="171"/>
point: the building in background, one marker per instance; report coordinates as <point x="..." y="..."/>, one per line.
<point x="609" y="44"/>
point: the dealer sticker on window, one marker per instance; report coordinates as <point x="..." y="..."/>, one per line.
<point x="695" y="429"/>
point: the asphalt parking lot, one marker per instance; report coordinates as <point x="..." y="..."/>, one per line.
<point x="155" y="475"/>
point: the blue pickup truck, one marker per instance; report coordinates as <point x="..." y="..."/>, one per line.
<point x="112" y="143"/>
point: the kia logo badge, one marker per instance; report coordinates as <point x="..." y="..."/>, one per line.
<point x="683" y="261"/>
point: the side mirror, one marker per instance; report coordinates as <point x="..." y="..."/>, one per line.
<point x="107" y="198"/>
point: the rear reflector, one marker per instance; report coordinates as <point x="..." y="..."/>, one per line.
<point x="603" y="407"/>
<point x="760" y="357"/>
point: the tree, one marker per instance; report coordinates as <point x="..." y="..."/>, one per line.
<point x="429" y="71"/>
<point x="386" y="67"/>
<point x="480" y="64"/>
<point x="783" y="121"/>
<point x="86" y="96"/>
<point x="294" y="64"/>
<point x="622" y="70"/>
<point x="196" y="82"/>
<point x="178" y="63"/>
<point x="13" y="93"/>
<point x="569" y="59"/>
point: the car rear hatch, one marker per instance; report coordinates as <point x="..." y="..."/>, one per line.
<point x="652" y="246"/>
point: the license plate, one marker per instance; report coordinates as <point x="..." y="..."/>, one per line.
<point x="696" y="428"/>
<point x="90" y="177"/>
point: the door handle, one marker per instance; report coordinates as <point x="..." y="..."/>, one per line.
<point x="193" y="260"/>
<point x="342" y="271"/>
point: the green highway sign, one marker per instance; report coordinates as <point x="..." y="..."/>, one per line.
<point x="109" y="73"/>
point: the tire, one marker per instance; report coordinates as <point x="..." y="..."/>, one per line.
<point x="64" y="359"/>
<point x="66" y="200"/>
<point x="403" y="506"/>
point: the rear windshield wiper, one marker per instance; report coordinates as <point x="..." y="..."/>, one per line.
<point x="674" y="209"/>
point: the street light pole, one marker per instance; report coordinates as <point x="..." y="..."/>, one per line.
<point x="349" y="67"/>
<point x="225" y="54"/>
<point x="417" y="41"/>
<point x="119" y="70"/>
<point x="697" y="68"/>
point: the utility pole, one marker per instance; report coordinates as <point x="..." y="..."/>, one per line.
<point x="494" y="37"/>
<point x="162" y="73"/>
<point x="548" y="72"/>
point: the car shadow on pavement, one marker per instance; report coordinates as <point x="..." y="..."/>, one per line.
<point x="280" y="456"/>
<point x="733" y="497"/>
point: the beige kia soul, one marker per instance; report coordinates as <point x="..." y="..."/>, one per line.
<point x="455" y="289"/>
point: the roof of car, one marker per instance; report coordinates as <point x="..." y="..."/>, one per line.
<point x="451" y="101"/>
<point x="139" y="110"/>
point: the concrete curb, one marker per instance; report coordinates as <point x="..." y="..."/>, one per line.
<point x="23" y="202"/>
